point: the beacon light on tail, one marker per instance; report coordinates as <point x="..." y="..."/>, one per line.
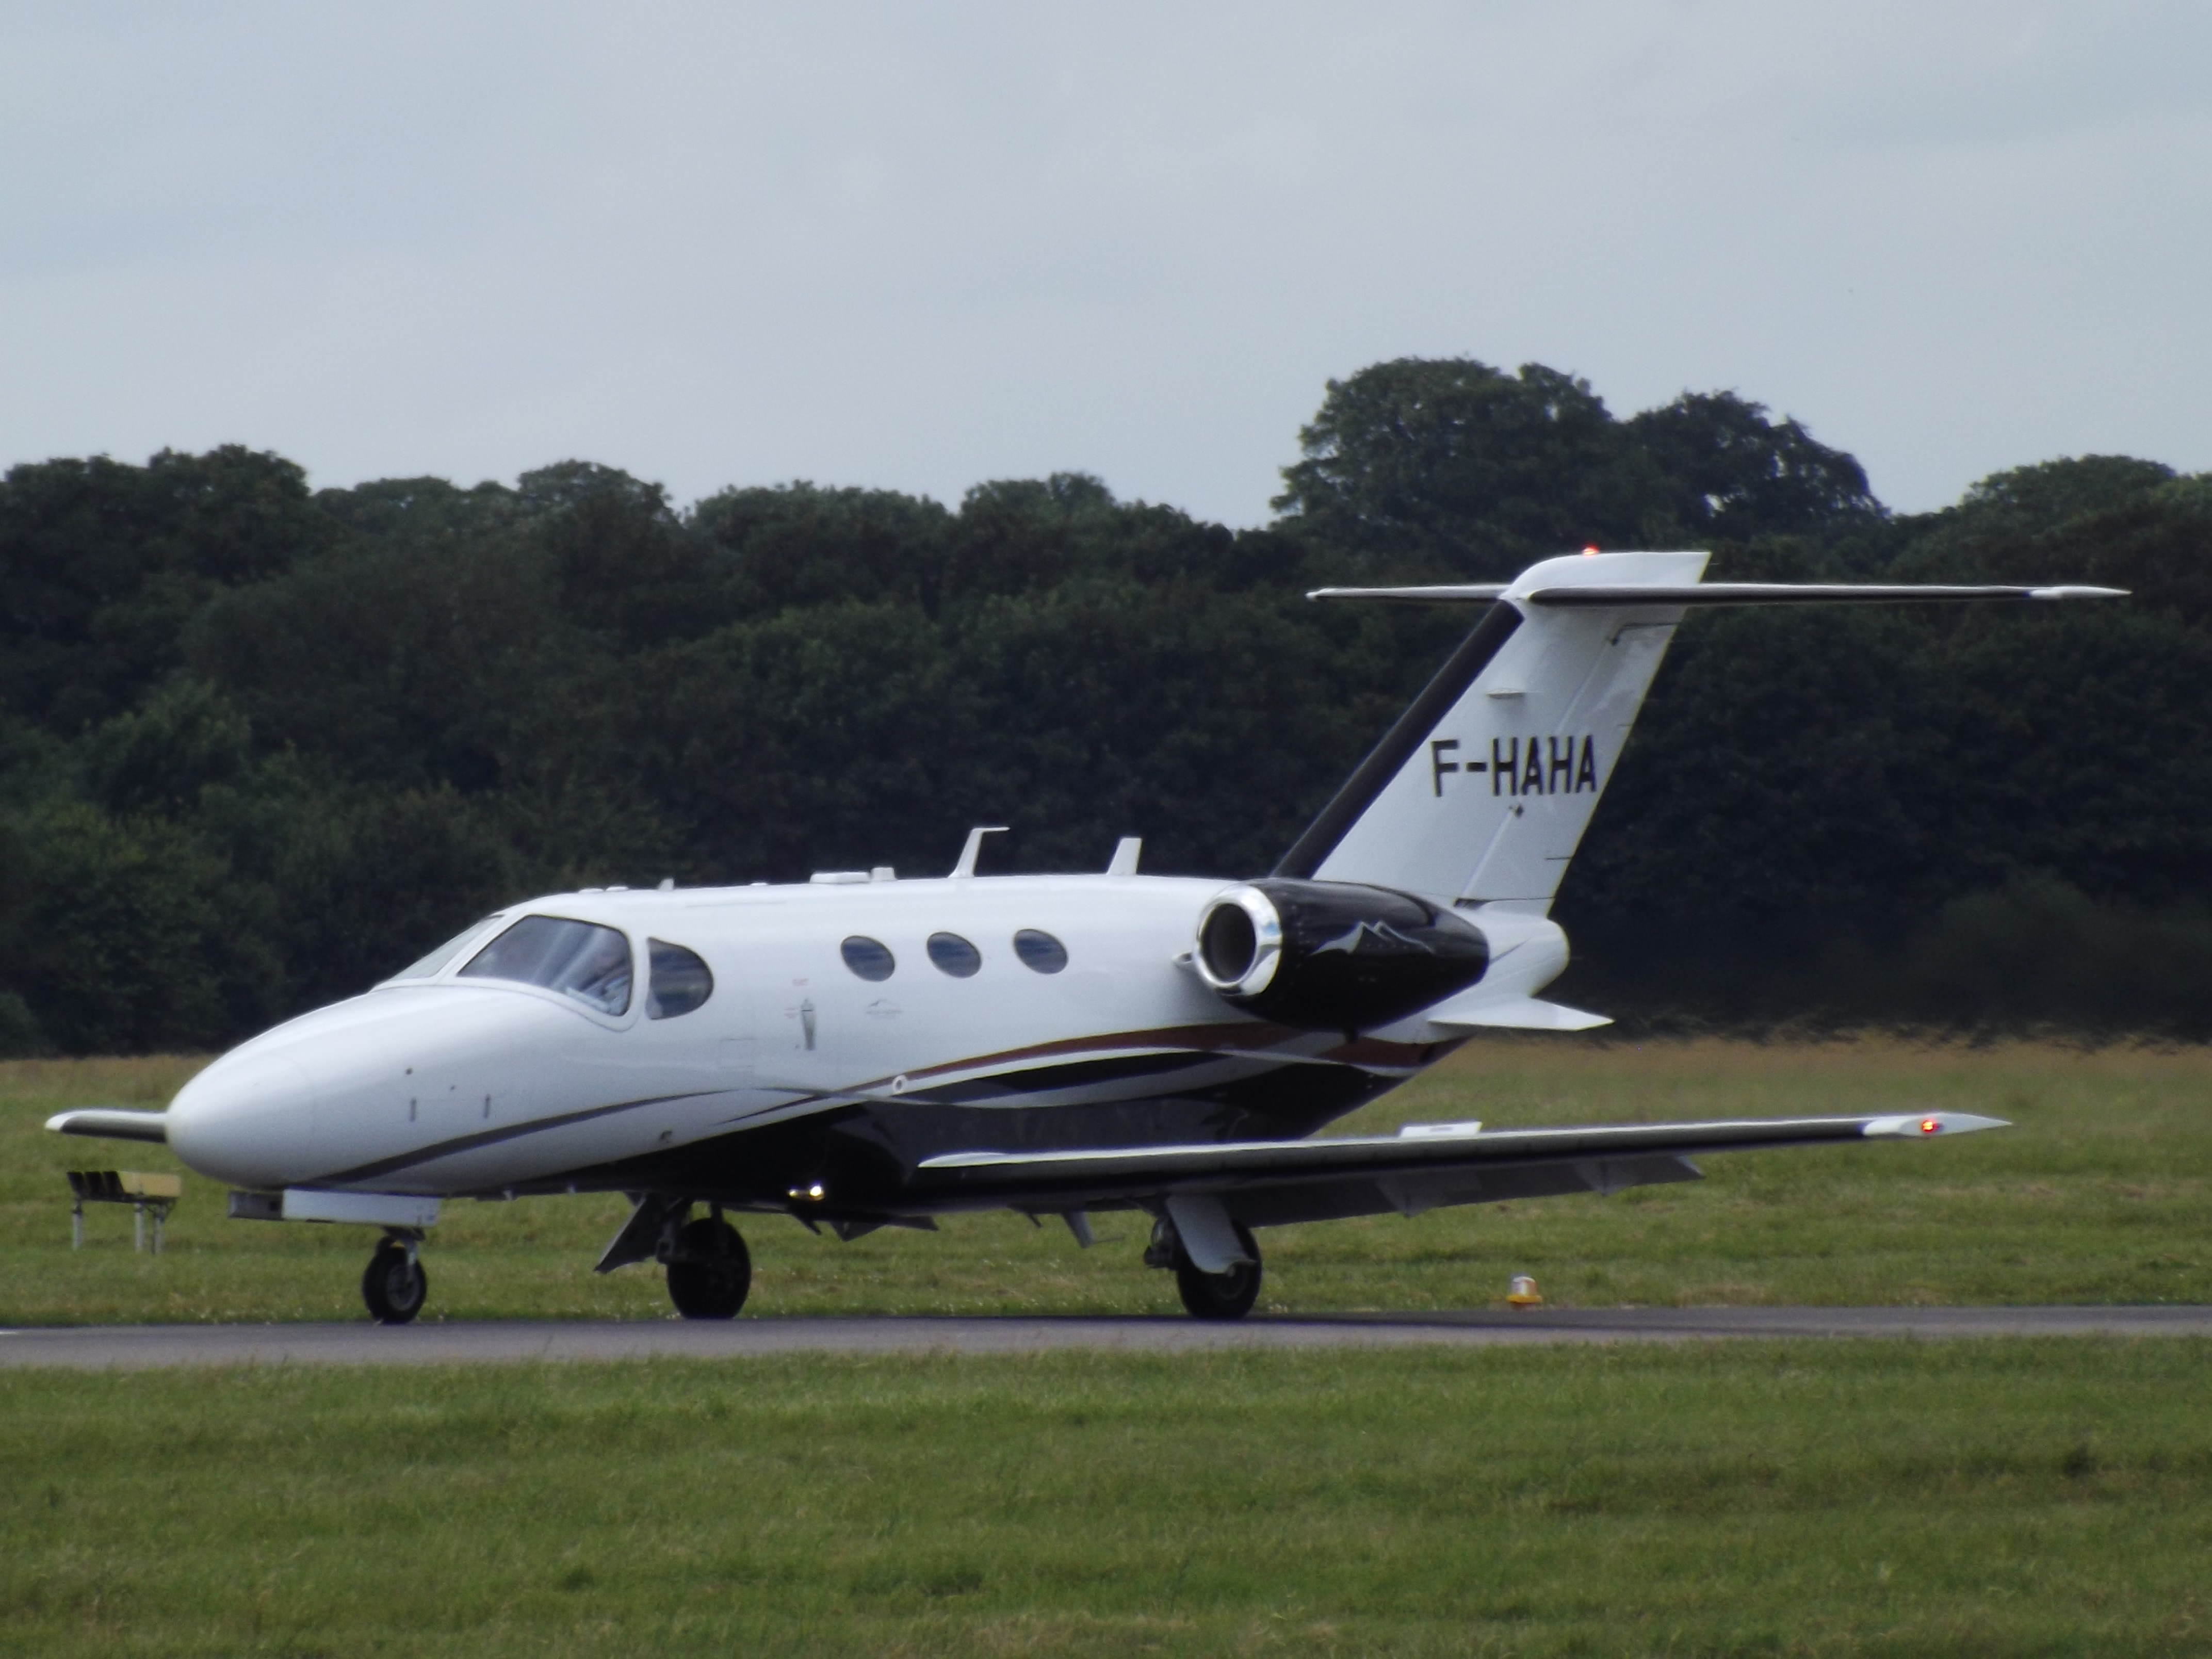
<point x="862" y="1052"/>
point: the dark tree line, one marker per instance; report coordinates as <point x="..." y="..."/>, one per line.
<point x="260" y="744"/>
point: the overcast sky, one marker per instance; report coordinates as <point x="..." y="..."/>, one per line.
<point x="921" y="246"/>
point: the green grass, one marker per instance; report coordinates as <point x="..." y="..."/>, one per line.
<point x="2103" y="1193"/>
<point x="1992" y="1497"/>
<point x="1997" y="1496"/>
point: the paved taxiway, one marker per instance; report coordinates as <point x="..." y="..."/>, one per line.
<point x="137" y="1347"/>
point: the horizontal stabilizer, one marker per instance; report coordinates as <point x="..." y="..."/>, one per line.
<point x="1615" y="596"/>
<point x="113" y="1123"/>
<point x="1454" y="594"/>
<point x="1693" y="593"/>
<point x="1519" y="1014"/>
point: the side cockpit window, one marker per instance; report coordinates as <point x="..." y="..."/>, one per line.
<point x="579" y="959"/>
<point x="680" y="982"/>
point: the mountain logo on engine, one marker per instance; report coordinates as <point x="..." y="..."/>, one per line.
<point x="1374" y="938"/>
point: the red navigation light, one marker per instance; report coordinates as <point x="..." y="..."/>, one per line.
<point x="1928" y="1125"/>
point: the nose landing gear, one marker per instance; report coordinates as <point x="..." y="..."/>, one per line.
<point x="395" y="1286"/>
<point x="709" y="1269"/>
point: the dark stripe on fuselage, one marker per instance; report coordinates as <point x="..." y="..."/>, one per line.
<point x="469" y="1143"/>
<point x="1074" y="1074"/>
<point x="1251" y="1037"/>
<point x="1240" y="1036"/>
<point x="1388" y="756"/>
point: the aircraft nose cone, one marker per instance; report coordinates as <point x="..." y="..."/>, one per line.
<point x="248" y="1120"/>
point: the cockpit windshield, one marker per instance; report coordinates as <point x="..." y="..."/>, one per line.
<point x="431" y="966"/>
<point x="579" y="959"/>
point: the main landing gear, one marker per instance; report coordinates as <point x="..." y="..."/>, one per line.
<point x="395" y="1286"/>
<point x="1228" y="1295"/>
<point x="709" y="1270"/>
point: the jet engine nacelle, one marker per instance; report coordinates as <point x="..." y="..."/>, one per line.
<point x="1334" y="956"/>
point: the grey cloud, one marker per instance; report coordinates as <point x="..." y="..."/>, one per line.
<point x="921" y="247"/>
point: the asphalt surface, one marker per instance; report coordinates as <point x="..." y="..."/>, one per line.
<point x="141" y="1348"/>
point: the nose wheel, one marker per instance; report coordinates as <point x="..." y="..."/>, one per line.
<point x="395" y="1286"/>
<point x="709" y="1270"/>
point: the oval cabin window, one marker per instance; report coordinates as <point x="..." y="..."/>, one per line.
<point x="1040" y="951"/>
<point x="871" y="958"/>
<point x="955" y="955"/>
<point x="680" y="982"/>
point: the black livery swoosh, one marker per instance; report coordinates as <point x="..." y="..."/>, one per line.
<point x="408" y="1160"/>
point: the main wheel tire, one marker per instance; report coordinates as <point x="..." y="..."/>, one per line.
<point x="394" y="1287"/>
<point x="1220" y="1296"/>
<point x="710" y="1271"/>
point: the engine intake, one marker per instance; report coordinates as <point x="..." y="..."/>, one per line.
<point x="1334" y="956"/>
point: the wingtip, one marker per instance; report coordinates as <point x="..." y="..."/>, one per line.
<point x="1928" y="1125"/>
<point x="111" y="1123"/>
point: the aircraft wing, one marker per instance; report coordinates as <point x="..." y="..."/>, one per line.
<point x="1427" y="1166"/>
<point x="111" y="1123"/>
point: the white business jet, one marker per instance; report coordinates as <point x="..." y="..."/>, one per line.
<point x="861" y="1051"/>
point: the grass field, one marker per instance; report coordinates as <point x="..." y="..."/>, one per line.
<point x="2102" y="1193"/>
<point x="1986" y="1498"/>
<point x="1808" y="1498"/>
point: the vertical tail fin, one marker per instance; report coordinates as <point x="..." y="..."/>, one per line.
<point x="1481" y="792"/>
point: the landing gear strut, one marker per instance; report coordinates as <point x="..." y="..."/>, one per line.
<point x="709" y="1270"/>
<point x="1208" y="1296"/>
<point x="395" y="1285"/>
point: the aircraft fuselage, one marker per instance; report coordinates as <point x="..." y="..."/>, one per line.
<point x="795" y="1072"/>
